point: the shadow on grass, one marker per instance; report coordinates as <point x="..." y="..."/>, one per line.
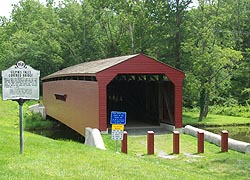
<point x="59" y="131"/>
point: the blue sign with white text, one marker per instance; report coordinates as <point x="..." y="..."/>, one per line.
<point x="118" y="117"/>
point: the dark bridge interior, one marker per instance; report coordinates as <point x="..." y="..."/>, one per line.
<point x="148" y="99"/>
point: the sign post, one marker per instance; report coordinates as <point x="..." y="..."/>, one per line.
<point x="20" y="83"/>
<point x="118" y="120"/>
<point x="20" y="102"/>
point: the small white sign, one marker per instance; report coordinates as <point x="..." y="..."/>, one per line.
<point x="117" y="135"/>
<point x="20" y="81"/>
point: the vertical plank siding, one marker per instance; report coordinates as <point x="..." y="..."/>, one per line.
<point x="139" y="65"/>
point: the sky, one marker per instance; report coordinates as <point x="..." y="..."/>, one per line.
<point x="6" y="6"/>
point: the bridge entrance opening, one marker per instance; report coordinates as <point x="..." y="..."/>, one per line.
<point x="148" y="99"/>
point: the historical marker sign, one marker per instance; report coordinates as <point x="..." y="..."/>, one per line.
<point x="20" y="81"/>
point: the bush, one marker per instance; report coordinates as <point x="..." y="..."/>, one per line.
<point x="195" y="109"/>
<point x="236" y="110"/>
<point x="34" y="121"/>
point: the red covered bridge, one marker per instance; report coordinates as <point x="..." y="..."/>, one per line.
<point x="83" y="95"/>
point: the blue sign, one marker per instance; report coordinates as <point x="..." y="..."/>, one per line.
<point x="118" y="117"/>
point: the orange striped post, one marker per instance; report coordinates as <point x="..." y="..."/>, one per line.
<point x="150" y="142"/>
<point x="200" y="136"/>
<point x="124" y="147"/>
<point x="176" y="142"/>
<point x="224" y="141"/>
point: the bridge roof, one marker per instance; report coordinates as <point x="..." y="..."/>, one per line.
<point x="90" y="68"/>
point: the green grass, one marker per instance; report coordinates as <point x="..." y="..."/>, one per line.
<point x="34" y="121"/>
<point x="44" y="158"/>
<point x="213" y="120"/>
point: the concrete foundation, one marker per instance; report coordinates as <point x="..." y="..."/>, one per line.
<point x="38" y="108"/>
<point x="93" y="138"/>
<point x="216" y="139"/>
<point x="171" y="128"/>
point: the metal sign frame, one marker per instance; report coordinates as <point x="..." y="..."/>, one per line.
<point x="118" y="120"/>
<point x="20" y="83"/>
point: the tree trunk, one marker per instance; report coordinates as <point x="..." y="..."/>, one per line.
<point x="177" y="35"/>
<point x="206" y="104"/>
<point x="202" y="103"/>
<point x="131" y="30"/>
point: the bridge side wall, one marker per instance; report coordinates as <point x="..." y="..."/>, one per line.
<point x="72" y="102"/>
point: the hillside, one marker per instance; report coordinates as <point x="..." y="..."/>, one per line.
<point x="46" y="158"/>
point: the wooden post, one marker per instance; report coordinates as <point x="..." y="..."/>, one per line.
<point x="176" y="142"/>
<point x="224" y="141"/>
<point x="125" y="143"/>
<point x="200" y="136"/>
<point x="150" y="142"/>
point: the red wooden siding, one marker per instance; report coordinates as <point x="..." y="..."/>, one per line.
<point x="178" y="105"/>
<point x="140" y="64"/>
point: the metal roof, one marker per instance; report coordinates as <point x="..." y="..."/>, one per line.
<point x="90" y="68"/>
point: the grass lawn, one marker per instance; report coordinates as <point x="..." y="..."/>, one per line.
<point x="45" y="158"/>
<point x="213" y="120"/>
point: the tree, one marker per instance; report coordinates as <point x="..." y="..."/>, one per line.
<point x="3" y="38"/>
<point x="212" y="57"/>
<point x="31" y="37"/>
<point x="118" y="25"/>
<point x="241" y="33"/>
<point x="178" y="11"/>
<point x="79" y="32"/>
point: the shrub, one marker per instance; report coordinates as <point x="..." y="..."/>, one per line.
<point x="195" y="109"/>
<point x="34" y="121"/>
<point x="236" y="110"/>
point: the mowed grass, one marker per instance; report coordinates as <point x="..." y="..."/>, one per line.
<point x="213" y="120"/>
<point x="45" y="158"/>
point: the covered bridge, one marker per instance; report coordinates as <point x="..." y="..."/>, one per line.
<point x="83" y="95"/>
